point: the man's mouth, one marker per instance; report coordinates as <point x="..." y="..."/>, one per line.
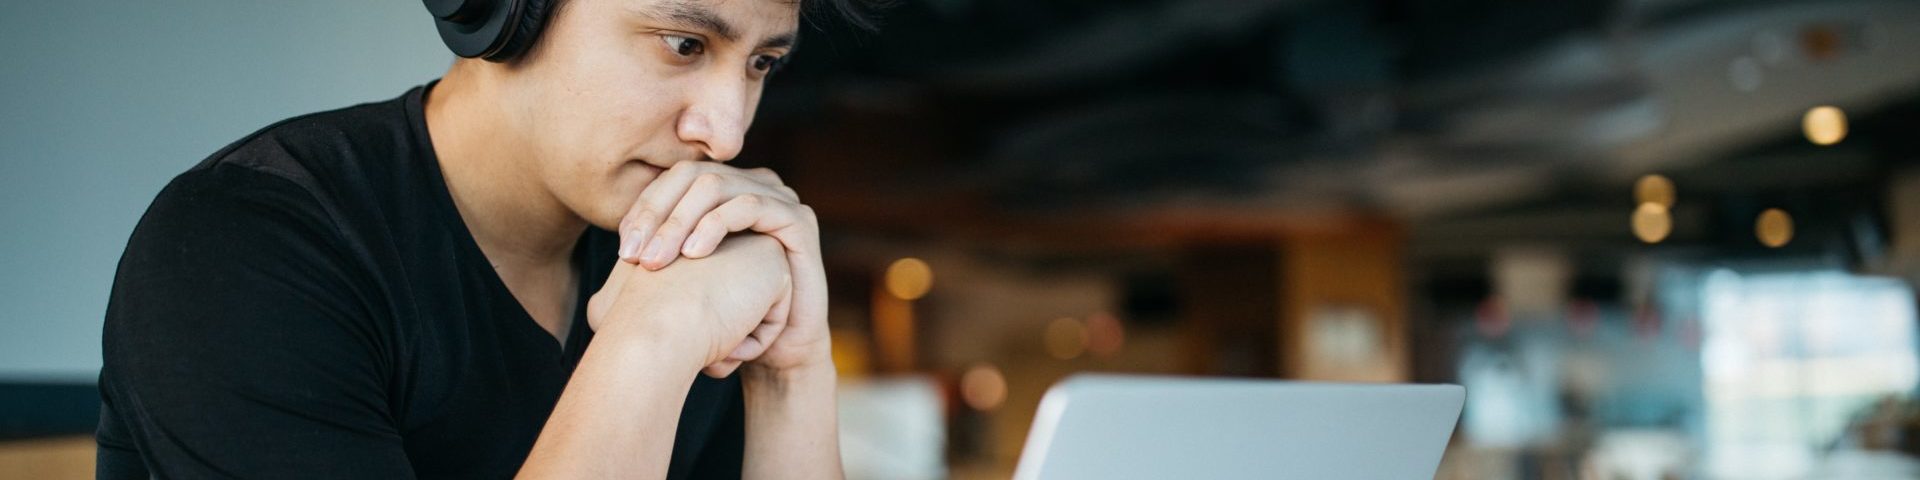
<point x="656" y="169"/>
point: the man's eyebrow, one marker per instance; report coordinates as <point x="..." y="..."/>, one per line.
<point x="697" y="16"/>
<point x="694" y="15"/>
<point x="779" y="41"/>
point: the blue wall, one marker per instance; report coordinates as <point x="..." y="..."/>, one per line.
<point x="105" y="100"/>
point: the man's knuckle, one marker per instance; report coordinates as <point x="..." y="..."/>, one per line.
<point x="708" y="180"/>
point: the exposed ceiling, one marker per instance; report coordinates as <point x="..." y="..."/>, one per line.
<point x="1433" y="112"/>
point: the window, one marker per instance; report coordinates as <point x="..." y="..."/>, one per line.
<point x="1788" y="358"/>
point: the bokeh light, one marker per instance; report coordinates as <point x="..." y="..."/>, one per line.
<point x="1105" y="334"/>
<point x="1066" y="338"/>
<point x="1824" y="125"/>
<point x="1654" y="189"/>
<point x="909" y="278"/>
<point x="1652" y="223"/>
<point x="983" y="387"/>
<point x="1774" y="228"/>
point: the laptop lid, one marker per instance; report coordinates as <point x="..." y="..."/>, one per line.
<point x="1120" y="427"/>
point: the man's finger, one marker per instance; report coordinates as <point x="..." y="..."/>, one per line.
<point x="765" y="334"/>
<point x="603" y="299"/>
<point x="706" y="192"/>
<point x="721" y="369"/>
<point x="656" y="229"/>
<point x="652" y="206"/>
<point x="741" y="213"/>
<point x="766" y="176"/>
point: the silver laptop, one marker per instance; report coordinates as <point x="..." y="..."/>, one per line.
<point x="1123" y="427"/>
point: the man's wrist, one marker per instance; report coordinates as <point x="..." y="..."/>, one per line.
<point x="772" y="382"/>
<point x="792" y="422"/>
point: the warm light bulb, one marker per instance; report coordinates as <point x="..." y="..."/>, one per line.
<point x="1652" y="223"/>
<point x="1825" y="125"/>
<point x="1774" y="228"/>
<point x="909" y="278"/>
<point x="983" y="387"/>
<point x="1654" y="189"/>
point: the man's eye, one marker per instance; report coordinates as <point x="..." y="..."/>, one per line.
<point x="684" y="46"/>
<point x="767" y="63"/>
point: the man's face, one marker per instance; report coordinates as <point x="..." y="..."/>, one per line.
<point x="616" y="91"/>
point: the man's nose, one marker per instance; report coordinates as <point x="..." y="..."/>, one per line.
<point x="715" y="121"/>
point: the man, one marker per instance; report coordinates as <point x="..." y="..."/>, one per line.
<point x="408" y="288"/>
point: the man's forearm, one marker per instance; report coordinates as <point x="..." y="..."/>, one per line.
<point x="792" y="424"/>
<point x="628" y="388"/>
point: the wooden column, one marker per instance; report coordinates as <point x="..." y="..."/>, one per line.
<point x="1343" y="314"/>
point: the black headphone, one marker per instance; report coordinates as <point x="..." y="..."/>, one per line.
<point x="496" y="30"/>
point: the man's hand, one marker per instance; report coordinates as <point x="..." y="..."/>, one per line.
<point x="689" y="209"/>
<point x="789" y="379"/>
<point x="704" y="306"/>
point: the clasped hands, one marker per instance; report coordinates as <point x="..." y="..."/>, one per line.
<point x="757" y="299"/>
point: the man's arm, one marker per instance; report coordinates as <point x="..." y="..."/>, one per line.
<point x="653" y="331"/>
<point x="788" y="375"/>
<point x="619" y="410"/>
<point x="792" y="422"/>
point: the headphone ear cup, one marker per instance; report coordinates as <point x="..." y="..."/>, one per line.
<point x="532" y="19"/>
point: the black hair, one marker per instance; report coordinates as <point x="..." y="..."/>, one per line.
<point x="858" y="13"/>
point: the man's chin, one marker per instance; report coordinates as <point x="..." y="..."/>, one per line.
<point x="609" y="220"/>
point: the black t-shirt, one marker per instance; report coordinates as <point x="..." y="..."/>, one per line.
<point x="307" y="303"/>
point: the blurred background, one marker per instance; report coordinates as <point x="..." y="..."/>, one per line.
<point x="1655" y="239"/>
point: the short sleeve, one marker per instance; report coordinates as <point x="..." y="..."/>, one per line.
<point x="236" y="343"/>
